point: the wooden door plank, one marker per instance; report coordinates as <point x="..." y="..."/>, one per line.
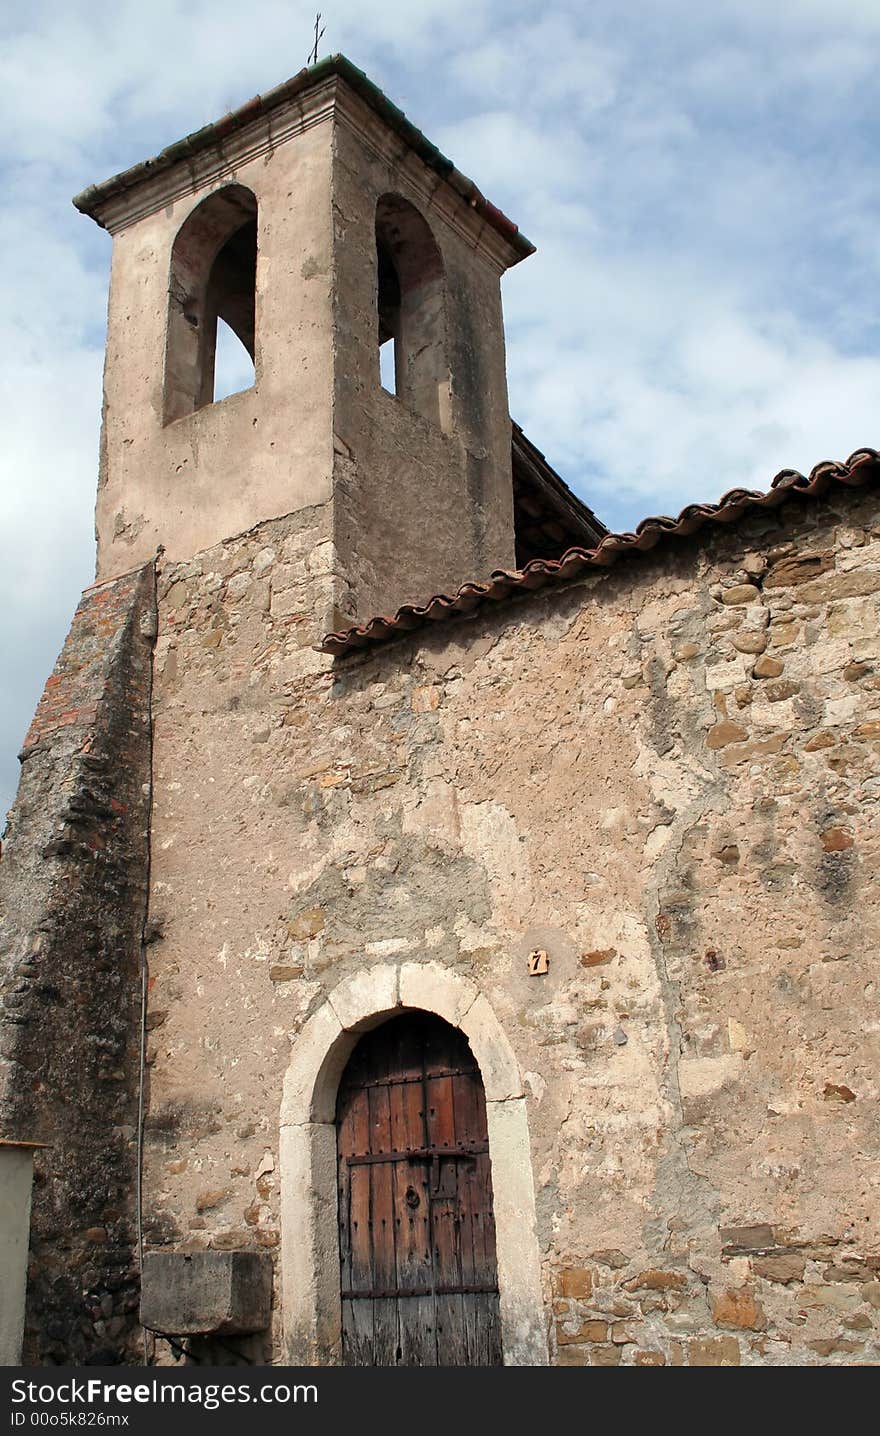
<point x="451" y="1337"/>
<point x="479" y="1267"/>
<point x="478" y="1185"/>
<point x="417" y="1319"/>
<point x="360" y="1312"/>
<point x="344" y="1138"/>
<point x="466" y="1105"/>
<point x="382" y="1231"/>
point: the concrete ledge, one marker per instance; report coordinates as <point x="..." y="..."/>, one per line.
<point x="197" y="1293"/>
<point x="16" y="1176"/>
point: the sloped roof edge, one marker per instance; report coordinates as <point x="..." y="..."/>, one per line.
<point x="860" y="469"/>
<point x="91" y="200"/>
<point x="531" y="464"/>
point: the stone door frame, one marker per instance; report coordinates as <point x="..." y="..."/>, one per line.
<point x="310" y="1275"/>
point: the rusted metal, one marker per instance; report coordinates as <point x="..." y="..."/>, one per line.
<point x="379" y="1293"/>
<point x="418" y="1154"/>
<point x="417" y="1077"/>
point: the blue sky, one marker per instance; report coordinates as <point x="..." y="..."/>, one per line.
<point x="701" y="183"/>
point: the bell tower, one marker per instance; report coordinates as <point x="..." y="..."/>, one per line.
<point x="361" y="273"/>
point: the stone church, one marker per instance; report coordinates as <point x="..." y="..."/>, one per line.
<point x="435" y="930"/>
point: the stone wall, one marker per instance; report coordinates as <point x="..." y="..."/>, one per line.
<point x="665" y="776"/>
<point x="73" y="888"/>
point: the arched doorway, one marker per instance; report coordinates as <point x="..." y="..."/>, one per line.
<point x="416" y="1222"/>
<point x="311" y="1279"/>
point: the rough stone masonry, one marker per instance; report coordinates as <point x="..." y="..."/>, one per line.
<point x="73" y="881"/>
<point x="663" y="774"/>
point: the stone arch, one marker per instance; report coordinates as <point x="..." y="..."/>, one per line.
<point x="309" y="1214"/>
<point x="213" y="278"/>
<point x="411" y="303"/>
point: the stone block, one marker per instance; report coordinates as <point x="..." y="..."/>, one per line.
<point x="740" y="593"/>
<point x="574" y="1356"/>
<point x="738" y="1308"/>
<point x="720" y="1351"/>
<point x="319" y="1055"/>
<point x="751" y="640"/>
<point x="307" y="923"/>
<point x="837" y="586"/>
<point x="366" y="996"/>
<point x="435" y="988"/>
<point x="656" y="1280"/>
<point x="310" y="1244"/>
<point x="768" y="667"/>
<point x="576" y="1282"/>
<point x="16" y="1174"/>
<point x="798" y="569"/>
<point x="726" y="732"/>
<point x="851" y="1272"/>
<point x="841" y="1299"/>
<point x="192" y="1293"/>
<point x="784" y="1268"/>
<point x="519" y="1273"/>
<point x="747" y="1239"/>
<point x="585" y="1331"/>
<point x="498" y="1066"/>
<point x="649" y="1358"/>
<point x="832" y="1346"/>
<point x="724" y="675"/>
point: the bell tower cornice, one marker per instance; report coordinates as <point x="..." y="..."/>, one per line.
<point x="215" y="153"/>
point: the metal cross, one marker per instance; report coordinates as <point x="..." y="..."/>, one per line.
<point x="313" y="53"/>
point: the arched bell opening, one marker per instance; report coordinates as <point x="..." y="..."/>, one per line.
<point x="210" y="345"/>
<point x="411" y="310"/>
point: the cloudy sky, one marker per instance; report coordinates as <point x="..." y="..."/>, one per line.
<point x="701" y="182"/>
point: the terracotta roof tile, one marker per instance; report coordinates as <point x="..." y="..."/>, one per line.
<point x="861" y="468"/>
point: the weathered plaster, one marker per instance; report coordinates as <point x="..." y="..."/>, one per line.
<point x="413" y="506"/>
<point x="16" y="1178"/>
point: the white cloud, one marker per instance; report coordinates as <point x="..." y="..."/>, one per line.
<point x="558" y="67"/>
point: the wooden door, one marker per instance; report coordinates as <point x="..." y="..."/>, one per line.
<point x="416" y="1228"/>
